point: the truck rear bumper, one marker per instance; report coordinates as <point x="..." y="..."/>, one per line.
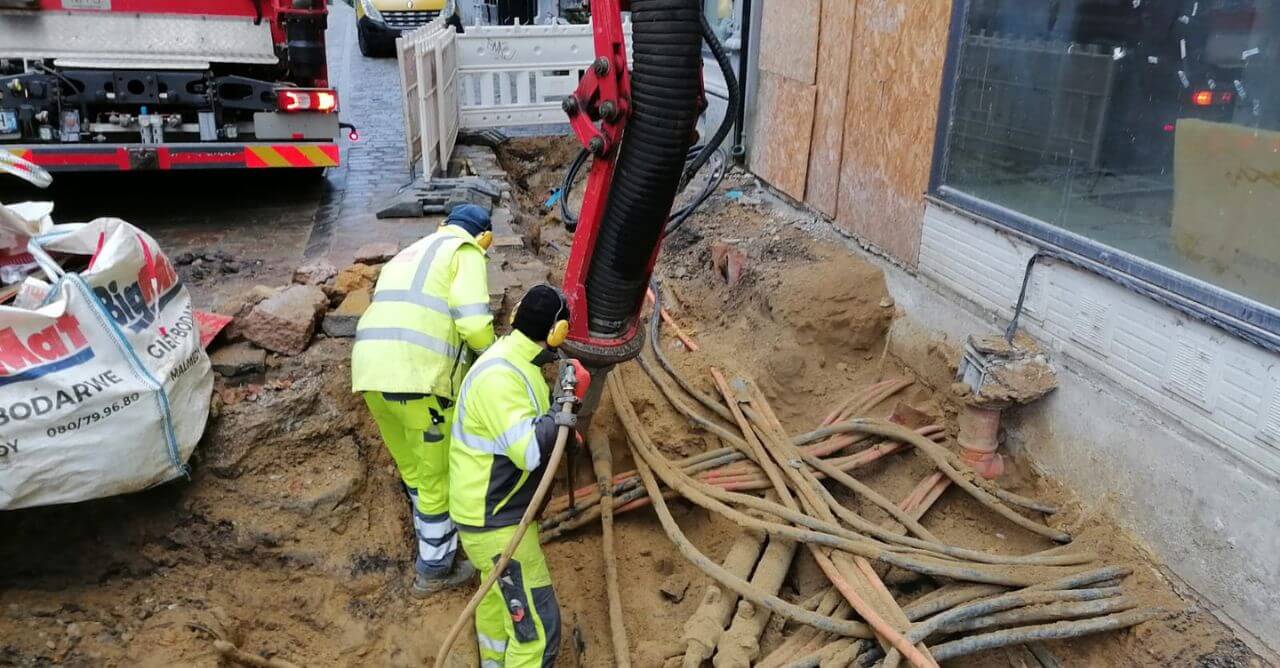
<point x="142" y="157"/>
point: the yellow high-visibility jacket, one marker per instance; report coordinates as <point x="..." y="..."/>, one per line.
<point x="430" y="310"/>
<point x="494" y="460"/>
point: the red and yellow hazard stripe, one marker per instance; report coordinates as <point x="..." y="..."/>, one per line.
<point x="187" y="156"/>
<point x="291" y="155"/>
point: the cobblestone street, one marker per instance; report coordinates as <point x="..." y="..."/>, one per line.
<point x="374" y="168"/>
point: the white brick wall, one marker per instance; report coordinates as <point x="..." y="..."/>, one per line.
<point x="1199" y="376"/>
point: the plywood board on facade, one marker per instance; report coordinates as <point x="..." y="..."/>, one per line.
<point x="784" y="127"/>
<point x="1226" y="191"/>
<point x="789" y="38"/>
<point x="892" y="111"/>
<point x="835" y="46"/>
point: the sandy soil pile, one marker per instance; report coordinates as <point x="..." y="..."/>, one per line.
<point x="292" y="538"/>
<point x="289" y="539"/>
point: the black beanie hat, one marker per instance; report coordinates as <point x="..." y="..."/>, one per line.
<point x="539" y="310"/>
<point x="474" y="219"/>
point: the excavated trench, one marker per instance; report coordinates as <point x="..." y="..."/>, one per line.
<point x="292" y="541"/>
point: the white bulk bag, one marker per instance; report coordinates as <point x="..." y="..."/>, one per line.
<point x="104" y="388"/>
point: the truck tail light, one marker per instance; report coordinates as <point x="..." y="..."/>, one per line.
<point x="1202" y="98"/>
<point x="323" y="100"/>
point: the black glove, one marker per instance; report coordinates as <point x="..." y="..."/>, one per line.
<point x="547" y="356"/>
<point x="547" y="427"/>
<point x="544" y="432"/>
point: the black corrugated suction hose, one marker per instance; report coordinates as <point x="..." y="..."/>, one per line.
<point x="665" y="86"/>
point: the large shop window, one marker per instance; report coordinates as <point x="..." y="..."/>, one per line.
<point x="1151" y="126"/>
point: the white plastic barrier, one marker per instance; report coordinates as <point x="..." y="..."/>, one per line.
<point x="429" y="91"/>
<point x="514" y="76"/>
<point x="488" y="77"/>
<point x="104" y="388"/>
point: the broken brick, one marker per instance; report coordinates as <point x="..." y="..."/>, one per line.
<point x="376" y="253"/>
<point x="909" y="416"/>
<point x="341" y="322"/>
<point x="284" y="323"/>
<point x="238" y="359"/>
<point x="239" y="305"/>
<point x="314" y="273"/>
<point x="729" y="262"/>
<point x="355" y="277"/>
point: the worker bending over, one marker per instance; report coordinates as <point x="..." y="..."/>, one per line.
<point x="504" y="433"/>
<point x="429" y="318"/>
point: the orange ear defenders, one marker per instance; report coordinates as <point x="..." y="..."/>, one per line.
<point x="559" y="332"/>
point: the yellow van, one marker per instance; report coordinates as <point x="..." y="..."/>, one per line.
<point x="380" y="22"/>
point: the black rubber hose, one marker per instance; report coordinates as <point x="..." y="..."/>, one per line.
<point x="744" y="58"/>
<point x="667" y="43"/>
<point x="698" y="156"/>
<point x="570" y="178"/>
<point x="735" y="100"/>
<point x="575" y="168"/>
<point x="712" y="147"/>
<point x="714" y="180"/>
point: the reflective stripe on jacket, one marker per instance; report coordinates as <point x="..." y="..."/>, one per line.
<point x="494" y="460"/>
<point x="430" y="306"/>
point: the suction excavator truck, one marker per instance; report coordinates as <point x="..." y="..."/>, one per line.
<point x="119" y="85"/>
<point x="640" y="129"/>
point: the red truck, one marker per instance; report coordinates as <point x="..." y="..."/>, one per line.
<point x="119" y="85"/>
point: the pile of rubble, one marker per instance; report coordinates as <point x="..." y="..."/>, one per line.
<point x="196" y="267"/>
<point x="284" y="319"/>
<point x="323" y="300"/>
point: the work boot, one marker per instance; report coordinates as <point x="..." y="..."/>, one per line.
<point x="426" y="585"/>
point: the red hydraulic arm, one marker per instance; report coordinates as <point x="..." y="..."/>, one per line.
<point x="599" y="112"/>
<point x="603" y="95"/>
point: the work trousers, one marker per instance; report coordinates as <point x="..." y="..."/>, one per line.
<point x="518" y="621"/>
<point x="416" y="430"/>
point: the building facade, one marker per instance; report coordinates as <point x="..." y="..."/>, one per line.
<point x="1114" y="166"/>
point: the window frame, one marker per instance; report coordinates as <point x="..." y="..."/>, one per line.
<point x="1239" y="315"/>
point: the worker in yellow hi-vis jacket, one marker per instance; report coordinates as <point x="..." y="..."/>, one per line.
<point x="428" y="320"/>
<point x="504" y="432"/>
